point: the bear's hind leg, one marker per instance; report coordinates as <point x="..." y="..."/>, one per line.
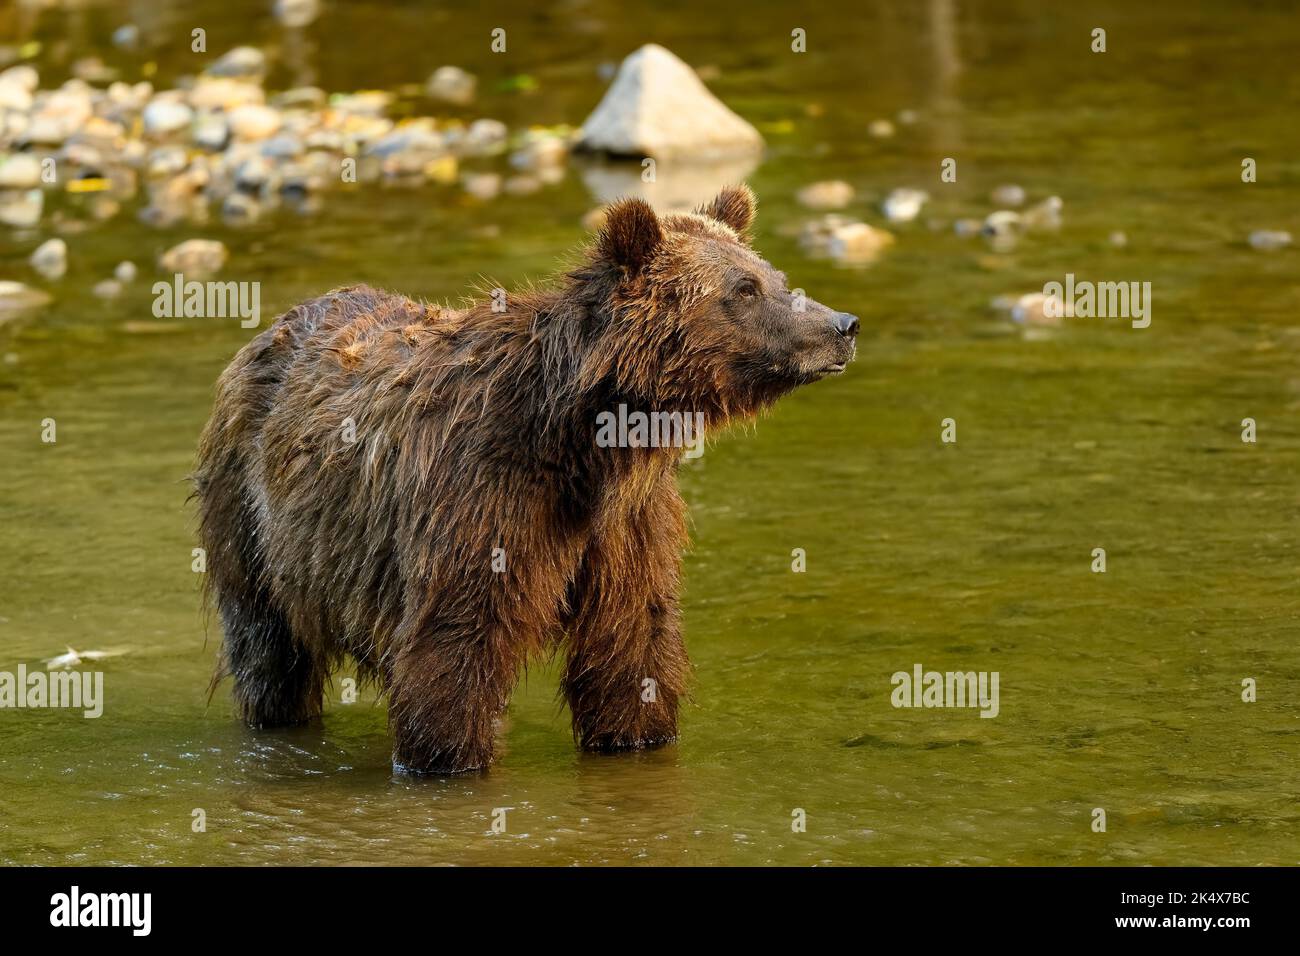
<point x="277" y="681"/>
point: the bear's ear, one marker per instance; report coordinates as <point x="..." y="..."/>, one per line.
<point x="735" y="206"/>
<point x="630" y="235"/>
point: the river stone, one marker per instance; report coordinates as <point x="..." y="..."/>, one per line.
<point x="482" y="185"/>
<point x="844" y="240"/>
<point x="830" y="194"/>
<point x="212" y="132"/>
<point x="194" y="258"/>
<point x="106" y="289"/>
<point x="240" y="208"/>
<point x="20" y="171"/>
<point x="522" y="185"/>
<point x="296" y="13"/>
<point x="103" y="134"/>
<point x="658" y="107"/>
<point x="1269" y="239"/>
<point x="61" y="113"/>
<point x="1008" y="194"/>
<point x="126" y="36"/>
<point x="453" y="85"/>
<point x="282" y="146"/>
<point x="225" y="93"/>
<point x="1032" y="308"/>
<point x="538" y="152"/>
<point x="15" y="297"/>
<point x="857" y="242"/>
<point x="364" y="103"/>
<point x="24" y="76"/>
<point x="163" y="116"/>
<point x="255" y="174"/>
<point x="904" y="204"/>
<point x="485" y="136"/>
<point x="166" y="161"/>
<point x="13" y="96"/>
<point x="417" y="136"/>
<point x="880" y="129"/>
<point x="253" y="122"/>
<point x="50" y="259"/>
<point x="124" y="100"/>
<point x="1045" y="215"/>
<point x="21" y="208"/>
<point x="244" y="62"/>
<point x="300" y="98"/>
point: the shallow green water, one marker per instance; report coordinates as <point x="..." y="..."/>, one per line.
<point x="1119" y="691"/>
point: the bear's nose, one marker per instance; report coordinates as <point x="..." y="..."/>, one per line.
<point x="845" y="324"/>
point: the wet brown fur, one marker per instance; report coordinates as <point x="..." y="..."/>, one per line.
<point x="474" y="431"/>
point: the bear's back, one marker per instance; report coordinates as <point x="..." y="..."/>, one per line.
<point x="346" y="323"/>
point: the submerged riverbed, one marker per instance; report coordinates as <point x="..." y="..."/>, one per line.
<point x="1120" y="691"/>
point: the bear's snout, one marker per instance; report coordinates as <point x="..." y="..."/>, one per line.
<point x="845" y="324"/>
<point x="837" y="342"/>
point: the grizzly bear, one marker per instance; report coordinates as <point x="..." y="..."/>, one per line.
<point x="421" y="488"/>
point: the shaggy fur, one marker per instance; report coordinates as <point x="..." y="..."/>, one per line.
<point x="366" y="454"/>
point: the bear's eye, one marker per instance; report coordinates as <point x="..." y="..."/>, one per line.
<point x="746" y="288"/>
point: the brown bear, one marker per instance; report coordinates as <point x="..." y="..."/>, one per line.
<point x="422" y="489"/>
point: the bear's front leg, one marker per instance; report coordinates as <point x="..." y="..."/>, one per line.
<point x="627" y="665"/>
<point x="446" y="692"/>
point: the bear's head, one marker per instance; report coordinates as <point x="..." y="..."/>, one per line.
<point x="691" y="318"/>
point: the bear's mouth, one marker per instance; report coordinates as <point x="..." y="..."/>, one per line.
<point x="835" y="368"/>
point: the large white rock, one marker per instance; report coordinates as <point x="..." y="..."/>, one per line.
<point x="658" y="107"/>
